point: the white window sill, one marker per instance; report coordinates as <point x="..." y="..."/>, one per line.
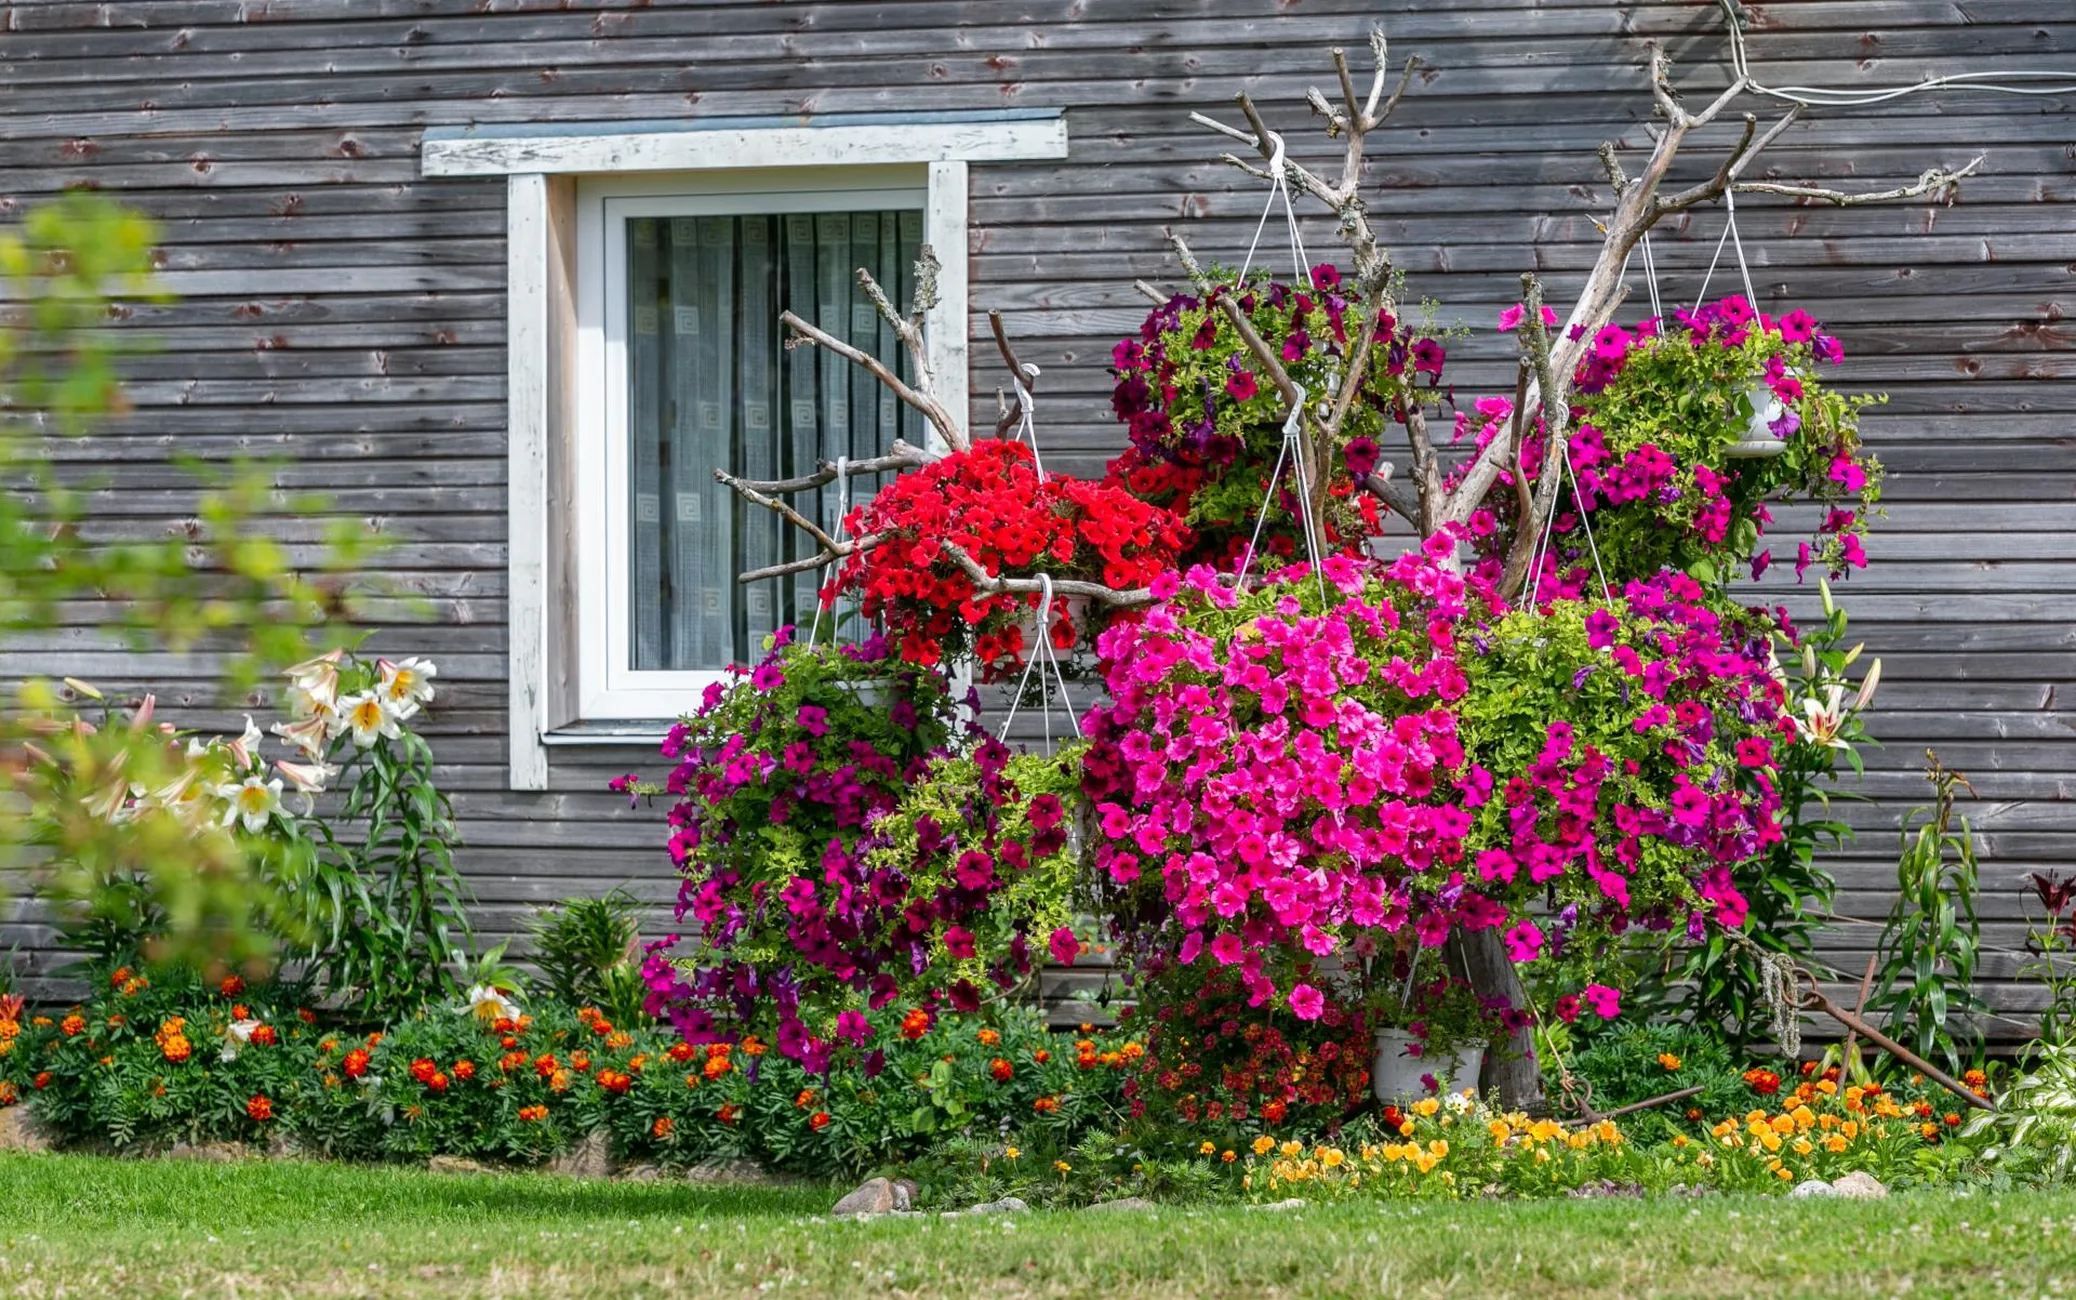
<point x="618" y="734"/>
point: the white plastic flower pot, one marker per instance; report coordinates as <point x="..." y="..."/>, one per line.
<point x="1759" y="439"/>
<point x="1397" y="1075"/>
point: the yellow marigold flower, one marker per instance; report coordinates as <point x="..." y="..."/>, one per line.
<point x="1668" y="1060"/>
<point x="1679" y="1139"/>
<point x="1426" y="1107"/>
<point x="1771" y="1141"/>
<point x="1063" y="1167"/>
<point x="1010" y="1153"/>
<point x="1331" y="1157"/>
<point x="1207" y="1148"/>
<point x="1264" y="1144"/>
<point x="1500" y="1130"/>
<point x="1608" y="1132"/>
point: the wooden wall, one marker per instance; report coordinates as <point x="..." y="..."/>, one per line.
<point x="344" y="315"/>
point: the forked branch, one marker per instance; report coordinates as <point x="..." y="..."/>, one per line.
<point x="992" y="585"/>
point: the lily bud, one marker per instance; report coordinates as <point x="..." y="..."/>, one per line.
<point x="1867" y="685"/>
<point x="84" y="688"/>
<point x="1830" y="606"/>
<point x="1854" y="653"/>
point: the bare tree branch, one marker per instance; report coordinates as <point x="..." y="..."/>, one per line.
<point x="1933" y="180"/>
<point x="815" y="561"/>
<point x="903" y="455"/>
<point x="989" y="584"/>
<point x="1027" y="375"/>
<point x="932" y="410"/>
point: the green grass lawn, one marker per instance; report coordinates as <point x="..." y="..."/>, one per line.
<point x="81" y="1226"/>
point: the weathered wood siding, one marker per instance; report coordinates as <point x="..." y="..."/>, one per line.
<point x="343" y="314"/>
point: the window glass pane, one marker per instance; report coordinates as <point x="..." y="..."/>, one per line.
<point x="713" y="386"/>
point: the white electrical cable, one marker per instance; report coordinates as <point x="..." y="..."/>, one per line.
<point x="1833" y="97"/>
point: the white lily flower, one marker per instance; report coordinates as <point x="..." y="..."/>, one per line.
<point x="245" y="749"/>
<point x="236" y="1037"/>
<point x="315" y="682"/>
<point x="406" y="685"/>
<point x="252" y="802"/>
<point x="306" y="779"/>
<point x="368" y="718"/>
<point x="1823" y="718"/>
<point x="310" y="735"/>
<point x="488" y="1002"/>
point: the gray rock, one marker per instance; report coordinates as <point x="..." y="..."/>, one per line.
<point x="905" y="1191"/>
<point x="457" y="1165"/>
<point x="1859" y="1186"/>
<point x="20" y="1131"/>
<point x="1007" y="1205"/>
<point x="642" y="1174"/>
<point x="280" y="1146"/>
<point x="210" y="1153"/>
<point x="876" y="1196"/>
<point x="1294" y="1203"/>
<point x="1814" y="1187"/>
<point x="590" y="1158"/>
<point x="1125" y="1203"/>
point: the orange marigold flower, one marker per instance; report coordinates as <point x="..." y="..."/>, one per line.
<point x="614" y="1080"/>
<point x="579" y="1061"/>
<point x="231" y="987"/>
<point x="118" y="977"/>
<point x="1046" y="1105"/>
<point x="716" y="1066"/>
<point x="620" y="1040"/>
<point x="41" y="1081"/>
<point x="805" y="1099"/>
<point x="8" y="1096"/>
<point x="1001" y="1070"/>
<point x="306" y="1015"/>
<point x="239" y="1011"/>
<point x="438" y="1083"/>
<point x="1041" y="1056"/>
<point x="265" y="1036"/>
<point x="356" y="1063"/>
<point x="424" y="1068"/>
<point x="176" y="1048"/>
<point x="637" y="1061"/>
<point x="818" y="1121"/>
<point x="260" y="1108"/>
<point x="915" y="1024"/>
<point x="559" y="1081"/>
<point x="545" y="1065"/>
<point x="1229" y="1156"/>
<point x="753" y="1046"/>
<point x="681" y="1052"/>
<point x="730" y="1112"/>
<point x="661" y="1129"/>
<point x="72" y="1026"/>
<point x="533" y="1114"/>
<point x="464" y="1070"/>
<point x="602" y="1027"/>
<point x="373" y="1039"/>
<point x="988" y="1037"/>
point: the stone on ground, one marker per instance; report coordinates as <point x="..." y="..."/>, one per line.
<point x="588" y="1159"/>
<point x="457" y="1165"/>
<point x="1813" y="1187"/>
<point x="1859" y="1185"/>
<point x="876" y="1196"/>
<point x="1125" y="1203"/>
<point x="1007" y="1205"/>
<point x="210" y="1153"/>
<point x="19" y="1131"/>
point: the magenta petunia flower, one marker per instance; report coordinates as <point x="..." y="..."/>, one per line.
<point x="1065" y="947"/>
<point x="1306" y="1002"/>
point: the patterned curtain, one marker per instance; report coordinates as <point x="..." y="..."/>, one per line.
<point x="713" y="386"/>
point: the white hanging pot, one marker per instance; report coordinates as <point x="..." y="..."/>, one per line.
<point x="872" y="692"/>
<point x="1759" y="440"/>
<point x="1398" y="1076"/>
<point x="1072" y="607"/>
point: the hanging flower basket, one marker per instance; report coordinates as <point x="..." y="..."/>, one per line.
<point x="1759" y="439"/>
<point x="1398" y="1076"/>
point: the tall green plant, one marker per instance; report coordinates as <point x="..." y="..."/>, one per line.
<point x="1928" y="949"/>
<point x="1789" y="888"/>
<point x="586" y="949"/>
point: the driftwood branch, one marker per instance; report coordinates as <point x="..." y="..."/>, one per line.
<point x="1022" y="373"/>
<point x="902" y="455"/>
<point x="990" y="584"/>
<point x="831" y="548"/>
<point x="920" y="399"/>
<point x="1933" y="180"/>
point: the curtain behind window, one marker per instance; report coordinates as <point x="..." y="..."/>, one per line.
<point x="713" y="386"/>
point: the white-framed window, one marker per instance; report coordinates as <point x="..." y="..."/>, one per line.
<point x="682" y="368"/>
<point x="623" y="552"/>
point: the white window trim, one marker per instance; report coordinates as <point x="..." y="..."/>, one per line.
<point x="546" y="373"/>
